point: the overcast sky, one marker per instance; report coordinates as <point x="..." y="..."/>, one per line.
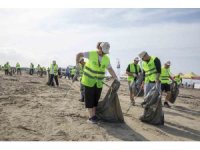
<point x="41" y="35"/>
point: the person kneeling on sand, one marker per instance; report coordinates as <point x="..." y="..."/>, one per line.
<point x="94" y="73"/>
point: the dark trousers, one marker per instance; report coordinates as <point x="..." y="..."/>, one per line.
<point x="6" y="72"/>
<point x="31" y="71"/>
<point x="51" y="82"/>
<point x="19" y="71"/>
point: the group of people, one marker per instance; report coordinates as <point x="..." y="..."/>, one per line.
<point x="11" y="70"/>
<point x="153" y="74"/>
<point x="39" y="70"/>
<point x="93" y="73"/>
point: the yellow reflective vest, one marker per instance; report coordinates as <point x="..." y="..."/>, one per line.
<point x="17" y="65"/>
<point x="94" y="72"/>
<point x="133" y="70"/>
<point x="165" y="75"/>
<point x="150" y="70"/>
<point x="54" y="69"/>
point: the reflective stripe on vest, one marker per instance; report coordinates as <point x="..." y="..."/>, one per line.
<point x="94" y="72"/>
<point x="150" y="70"/>
<point x="164" y="76"/>
<point x="132" y="70"/>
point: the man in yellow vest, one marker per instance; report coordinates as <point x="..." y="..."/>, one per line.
<point x="53" y="74"/>
<point x="165" y="77"/>
<point x="132" y="71"/>
<point x="7" y="69"/>
<point x="94" y="73"/>
<point x="151" y="66"/>
<point x="18" y="68"/>
<point x="31" y="69"/>
<point x="38" y="69"/>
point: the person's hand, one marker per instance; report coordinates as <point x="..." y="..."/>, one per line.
<point x="157" y="84"/>
<point x="135" y="75"/>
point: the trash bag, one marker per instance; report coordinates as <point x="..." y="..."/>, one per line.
<point x="135" y="86"/>
<point x="174" y="91"/>
<point x="109" y="108"/>
<point x="153" y="113"/>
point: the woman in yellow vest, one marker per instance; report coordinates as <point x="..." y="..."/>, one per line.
<point x="132" y="71"/>
<point x="93" y="75"/>
<point x="165" y="77"/>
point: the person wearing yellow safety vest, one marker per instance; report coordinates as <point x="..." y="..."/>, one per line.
<point x="151" y="66"/>
<point x="53" y="74"/>
<point x="72" y="72"/>
<point x="93" y="75"/>
<point x="38" y="69"/>
<point x="132" y="71"/>
<point x="18" y="68"/>
<point x="7" y="68"/>
<point x="178" y="79"/>
<point x="165" y="77"/>
<point x="82" y="88"/>
<point x="31" y="69"/>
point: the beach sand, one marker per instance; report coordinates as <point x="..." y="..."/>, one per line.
<point x="32" y="111"/>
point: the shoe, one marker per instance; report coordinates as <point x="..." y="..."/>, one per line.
<point x="133" y="103"/>
<point x="143" y="103"/>
<point x="81" y="100"/>
<point x="166" y="105"/>
<point x="92" y="120"/>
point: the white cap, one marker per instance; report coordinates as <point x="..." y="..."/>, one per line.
<point x="136" y="59"/>
<point x="168" y="63"/>
<point x="142" y="54"/>
<point x="105" y="47"/>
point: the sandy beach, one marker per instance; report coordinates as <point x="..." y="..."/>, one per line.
<point x="32" y="111"/>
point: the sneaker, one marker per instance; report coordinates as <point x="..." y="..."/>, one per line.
<point x="133" y="103"/>
<point x="143" y="103"/>
<point x="81" y="100"/>
<point x="166" y="105"/>
<point x="92" y="120"/>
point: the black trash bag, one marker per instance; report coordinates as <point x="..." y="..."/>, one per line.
<point x="153" y="113"/>
<point x="174" y="91"/>
<point x="109" y="109"/>
<point x="136" y="86"/>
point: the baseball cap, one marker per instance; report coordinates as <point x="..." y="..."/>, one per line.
<point x="136" y="59"/>
<point x="105" y="47"/>
<point x="168" y="63"/>
<point x="142" y="54"/>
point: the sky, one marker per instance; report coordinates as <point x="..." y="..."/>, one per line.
<point x="42" y="35"/>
